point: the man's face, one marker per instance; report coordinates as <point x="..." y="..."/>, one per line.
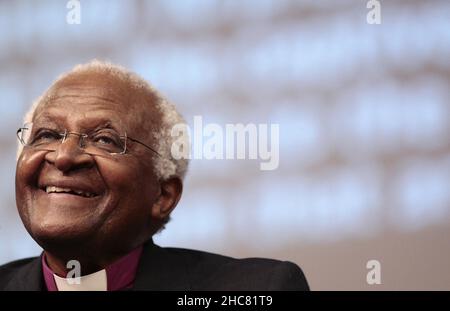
<point x="123" y="188"/>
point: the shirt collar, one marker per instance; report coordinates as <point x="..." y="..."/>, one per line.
<point x="119" y="275"/>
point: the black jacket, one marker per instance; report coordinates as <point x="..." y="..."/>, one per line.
<point x="179" y="269"/>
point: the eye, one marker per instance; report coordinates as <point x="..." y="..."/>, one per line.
<point x="45" y="136"/>
<point x="104" y="140"/>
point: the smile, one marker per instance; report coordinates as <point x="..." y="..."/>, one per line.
<point x="54" y="189"/>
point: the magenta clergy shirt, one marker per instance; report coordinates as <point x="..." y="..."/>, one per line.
<point x="120" y="275"/>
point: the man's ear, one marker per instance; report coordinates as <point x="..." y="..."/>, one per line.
<point x="171" y="190"/>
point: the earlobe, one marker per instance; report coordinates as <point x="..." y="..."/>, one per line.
<point x="171" y="190"/>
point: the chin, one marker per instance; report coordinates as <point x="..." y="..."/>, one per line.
<point x="60" y="235"/>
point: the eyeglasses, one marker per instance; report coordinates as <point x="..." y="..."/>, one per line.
<point x="100" y="142"/>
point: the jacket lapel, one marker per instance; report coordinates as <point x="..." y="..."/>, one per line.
<point x="28" y="278"/>
<point x="160" y="270"/>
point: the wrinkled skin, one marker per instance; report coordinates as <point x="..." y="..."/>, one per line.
<point x="130" y="201"/>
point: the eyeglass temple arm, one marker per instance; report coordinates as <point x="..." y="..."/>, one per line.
<point x="141" y="143"/>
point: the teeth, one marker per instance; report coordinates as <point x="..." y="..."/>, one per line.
<point x="53" y="189"/>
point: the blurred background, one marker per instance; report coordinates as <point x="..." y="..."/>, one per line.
<point x="364" y="115"/>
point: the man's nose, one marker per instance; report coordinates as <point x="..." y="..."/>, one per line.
<point x="70" y="155"/>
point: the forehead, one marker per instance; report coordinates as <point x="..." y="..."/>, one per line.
<point x="84" y="100"/>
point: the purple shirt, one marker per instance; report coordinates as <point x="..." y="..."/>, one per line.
<point x="120" y="275"/>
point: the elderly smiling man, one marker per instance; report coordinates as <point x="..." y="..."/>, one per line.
<point x="96" y="180"/>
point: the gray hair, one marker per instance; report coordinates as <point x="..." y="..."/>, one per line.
<point x="165" y="166"/>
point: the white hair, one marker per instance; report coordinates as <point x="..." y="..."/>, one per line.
<point x="165" y="165"/>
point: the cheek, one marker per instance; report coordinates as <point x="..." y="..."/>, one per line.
<point x="27" y="169"/>
<point x="128" y="180"/>
<point x="132" y="194"/>
<point x="28" y="166"/>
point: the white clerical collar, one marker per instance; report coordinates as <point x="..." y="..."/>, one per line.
<point x="92" y="282"/>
